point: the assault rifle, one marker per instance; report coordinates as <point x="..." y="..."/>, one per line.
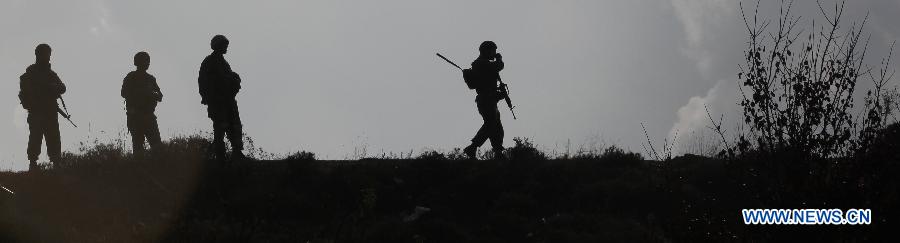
<point x="64" y="112"/>
<point x="504" y="89"/>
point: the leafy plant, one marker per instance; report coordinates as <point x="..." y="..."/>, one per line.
<point x="798" y="87"/>
<point x="525" y="150"/>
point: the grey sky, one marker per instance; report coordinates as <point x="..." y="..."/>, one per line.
<point x="331" y="76"/>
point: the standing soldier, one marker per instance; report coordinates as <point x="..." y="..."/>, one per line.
<point x="486" y="69"/>
<point x="141" y="93"/>
<point x="39" y="89"/>
<point x="218" y="88"/>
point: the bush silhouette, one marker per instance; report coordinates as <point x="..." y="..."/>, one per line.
<point x="524" y="150"/>
<point x="798" y="87"/>
<point x="180" y="196"/>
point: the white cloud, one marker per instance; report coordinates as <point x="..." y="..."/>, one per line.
<point x="714" y="35"/>
<point x="692" y="116"/>
<point x="699" y="15"/>
<point x="102" y="23"/>
<point x="704" y="23"/>
<point x="693" y="122"/>
<point x="701" y="20"/>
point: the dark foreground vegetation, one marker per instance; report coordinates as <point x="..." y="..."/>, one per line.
<point x="102" y="195"/>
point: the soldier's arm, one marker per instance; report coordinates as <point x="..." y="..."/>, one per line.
<point x="234" y="80"/>
<point x="203" y="80"/>
<point x="23" y="86"/>
<point x="159" y="94"/>
<point x="226" y="67"/>
<point x="220" y="68"/>
<point x="495" y="68"/>
<point x="124" y="91"/>
<point x="58" y="84"/>
<point x="201" y="84"/>
<point x="237" y="82"/>
<point x="24" y="91"/>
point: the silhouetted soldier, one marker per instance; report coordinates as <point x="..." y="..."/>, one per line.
<point x="218" y="88"/>
<point x="39" y="89"/>
<point x="487" y="75"/>
<point x="141" y="93"/>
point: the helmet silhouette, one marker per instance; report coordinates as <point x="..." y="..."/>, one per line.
<point x="219" y="43"/>
<point x="487" y="46"/>
<point x="141" y="59"/>
<point x="42" y="49"/>
<point x="42" y="53"/>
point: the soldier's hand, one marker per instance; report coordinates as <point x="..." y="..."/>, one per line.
<point x="498" y="56"/>
<point x="59" y="88"/>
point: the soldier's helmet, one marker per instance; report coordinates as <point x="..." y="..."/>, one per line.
<point x="219" y="43"/>
<point x="487" y="47"/>
<point x="42" y="51"/>
<point x="141" y="59"/>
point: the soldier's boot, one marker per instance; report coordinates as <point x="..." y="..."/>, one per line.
<point x="237" y="154"/>
<point x="156" y="151"/>
<point x="139" y="154"/>
<point x="498" y="154"/>
<point x="33" y="166"/>
<point x="218" y="150"/>
<point x="470" y="151"/>
<point x="153" y="155"/>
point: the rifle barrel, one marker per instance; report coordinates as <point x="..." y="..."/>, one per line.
<point x="65" y="115"/>
<point x="448" y="60"/>
<point x="64" y="111"/>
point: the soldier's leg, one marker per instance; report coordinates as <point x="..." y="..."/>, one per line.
<point x="35" y="136"/>
<point x="481" y="136"/>
<point x="235" y="131"/>
<point x="218" y="143"/>
<point x="219" y="139"/>
<point x="153" y="134"/>
<point x="236" y="137"/>
<point x="51" y="134"/>
<point x="137" y="143"/>
<point x="484" y="109"/>
<point x="137" y="134"/>
<point x="236" y="140"/>
<point x="497" y="133"/>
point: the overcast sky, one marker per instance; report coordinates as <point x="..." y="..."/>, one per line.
<point x="334" y="76"/>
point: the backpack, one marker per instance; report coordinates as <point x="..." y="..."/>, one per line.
<point x="470" y="77"/>
<point x="24" y="99"/>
